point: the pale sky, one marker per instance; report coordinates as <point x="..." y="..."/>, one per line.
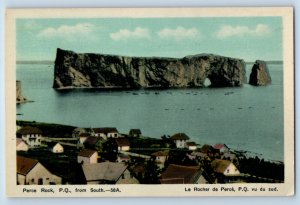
<point x="249" y="38"/>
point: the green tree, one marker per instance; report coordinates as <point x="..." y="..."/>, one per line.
<point x="152" y="173"/>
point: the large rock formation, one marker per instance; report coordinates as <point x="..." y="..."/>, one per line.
<point x="19" y="96"/>
<point x="74" y="70"/>
<point x="260" y="74"/>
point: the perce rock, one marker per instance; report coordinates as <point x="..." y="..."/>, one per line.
<point x="260" y="74"/>
<point x="74" y="70"/>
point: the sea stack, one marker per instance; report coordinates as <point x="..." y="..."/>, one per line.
<point x="88" y="70"/>
<point x="260" y="75"/>
<point x="19" y="96"/>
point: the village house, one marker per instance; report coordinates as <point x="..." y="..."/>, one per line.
<point x="21" y="145"/>
<point x="92" y="142"/>
<point x="31" y="135"/>
<point x="77" y="131"/>
<point x="83" y="136"/>
<point x="221" y="147"/>
<point x="106" y="132"/>
<point x="31" y="171"/>
<point x="209" y="151"/>
<point x="180" y="139"/>
<point x="55" y="147"/>
<point x="123" y="144"/>
<point x="107" y="173"/>
<point x="229" y="156"/>
<point x="191" y="146"/>
<point x="135" y="133"/>
<point x="177" y="174"/>
<point x="160" y="157"/>
<point x="225" y="170"/>
<point x="87" y="156"/>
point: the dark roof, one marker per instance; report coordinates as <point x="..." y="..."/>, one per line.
<point x="109" y="171"/>
<point x="105" y="130"/>
<point x="92" y="140"/>
<point x="207" y="149"/>
<point x="52" y="144"/>
<point x="24" y="165"/>
<point x="219" y="165"/>
<point x="86" y="152"/>
<point x="179" y="136"/>
<point x="29" y="130"/>
<point x="160" y="153"/>
<point x="177" y="174"/>
<point x="191" y="144"/>
<point x="84" y="134"/>
<point x="122" y="142"/>
<point x="135" y="131"/>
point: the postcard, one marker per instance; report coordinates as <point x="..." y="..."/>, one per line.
<point x="131" y="102"/>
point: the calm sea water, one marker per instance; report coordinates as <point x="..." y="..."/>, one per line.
<point x="247" y="118"/>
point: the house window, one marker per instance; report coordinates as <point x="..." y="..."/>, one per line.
<point x="227" y="170"/>
<point x="123" y="177"/>
<point x="40" y="181"/>
<point x="32" y="180"/>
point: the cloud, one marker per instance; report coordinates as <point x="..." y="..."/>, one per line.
<point x="228" y="31"/>
<point x="179" y="33"/>
<point x="80" y="29"/>
<point x="124" y="34"/>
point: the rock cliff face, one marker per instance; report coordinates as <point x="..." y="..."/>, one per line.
<point x="19" y="96"/>
<point x="89" y="70"/>
<point x="260" y="74"/>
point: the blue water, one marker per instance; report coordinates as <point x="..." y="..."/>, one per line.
<point x="247" y="118"/>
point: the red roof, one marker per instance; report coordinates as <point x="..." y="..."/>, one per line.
<point x="86" y="152"/>
<point x="220" y="146"/>
<point x="29" y="130"/>
<point x="177" y="174"/>
<point x="24" y="165"/>
<point x="179" y="136"/>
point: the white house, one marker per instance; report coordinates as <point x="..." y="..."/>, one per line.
<point x="191" y="145"/>
<point x="21" y="145"/>
<point x="87" y="156"/>
<point x="30" y="171"/>
<point x="160" y="157"/>
<point x="222" y="148"/>
<point x="180" y="139"/>
<point x="106" y="132"/>
<point x="31" y="135"/>
<point x="123" y="144"/>
<point x="225" y="167"/>
<point x="107" y="173"/>
<point x="55" y="147"/>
